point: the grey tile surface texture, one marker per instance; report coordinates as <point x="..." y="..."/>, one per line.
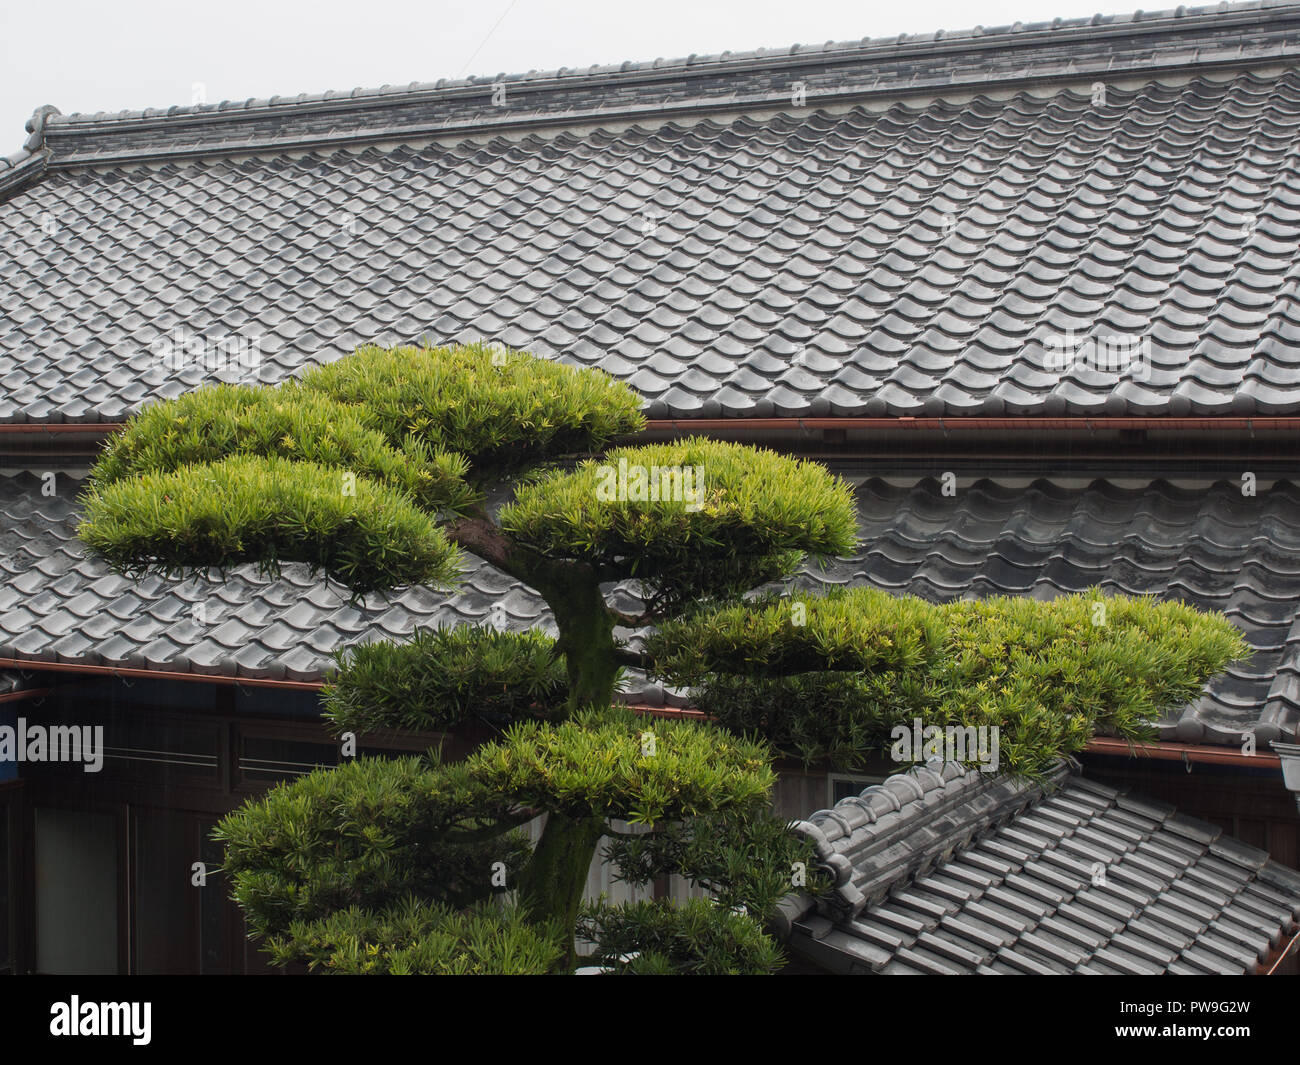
<point x="914" y="894"/>
<point x="872" y="253"/>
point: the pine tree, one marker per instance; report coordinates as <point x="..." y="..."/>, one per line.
<point x="376" y="471"/>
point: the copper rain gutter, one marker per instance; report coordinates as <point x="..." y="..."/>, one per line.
<point x="1183" y="752"/>
<point x="33" y="665"/>
<point x="945" y="424"/>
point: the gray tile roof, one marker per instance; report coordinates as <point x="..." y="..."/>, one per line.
<point x="944" y="871"/>
<point x="1208" y="546"/>
<point x="865" y="255"/>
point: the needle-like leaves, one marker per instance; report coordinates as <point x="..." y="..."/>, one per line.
<point x="267" y="511"/>
<point x="288" y="422"/>
<point x="828" y="678"/>
<point x="442" y="678"/>
<point x="503" y="411"/>
<point x="691" y="519"/>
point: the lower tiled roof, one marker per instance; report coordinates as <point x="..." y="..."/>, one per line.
<point x="1208" y="545"/>
<point x="941" y="870"/>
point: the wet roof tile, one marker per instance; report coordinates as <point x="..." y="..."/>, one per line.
<point x="1002" y="920"/>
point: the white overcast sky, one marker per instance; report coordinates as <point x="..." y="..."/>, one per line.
<point x="107" y="55"/>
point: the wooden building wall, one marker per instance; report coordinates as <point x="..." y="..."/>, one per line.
<point x="177" y="768"/>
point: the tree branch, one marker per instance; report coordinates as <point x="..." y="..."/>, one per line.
<point x="480" y="535"/>
<point x="607" y="570"/>
<point x="498" y="826"/>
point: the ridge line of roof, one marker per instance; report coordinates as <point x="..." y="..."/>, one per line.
<point x="29" y="162"/>
<point x="661" y="113"/>
<point x="1010" y="902"/>
<point x="973" y="38"/>
<point x="1198" y="37"/>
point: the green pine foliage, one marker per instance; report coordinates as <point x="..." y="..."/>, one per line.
<point x="617" y="764"/>
<point x="442" y="678"/>
<point x="859" y="629"/>
<point x="367" y="834"/>
<point x="403" y="865"/>
<point x="503" y="411"/>
<point x="417" y="938"/>
<point x="287" y="421"/>
<point x="750" y="517"/>
<point x="267" y="511"/>
<point x="357" y="869"/>
<point x="841" y="720"/>
<point x="696" y="938"/>
<point x="1048" y="674"/>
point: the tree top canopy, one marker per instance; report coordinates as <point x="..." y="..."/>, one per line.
<point x="285" y="421"/>
<point x="371" y="469"/>
<point x="503" y="411"/>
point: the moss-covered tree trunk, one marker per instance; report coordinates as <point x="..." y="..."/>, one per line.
<point x="552" y="884"/>
<point x="586" y="639"/>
